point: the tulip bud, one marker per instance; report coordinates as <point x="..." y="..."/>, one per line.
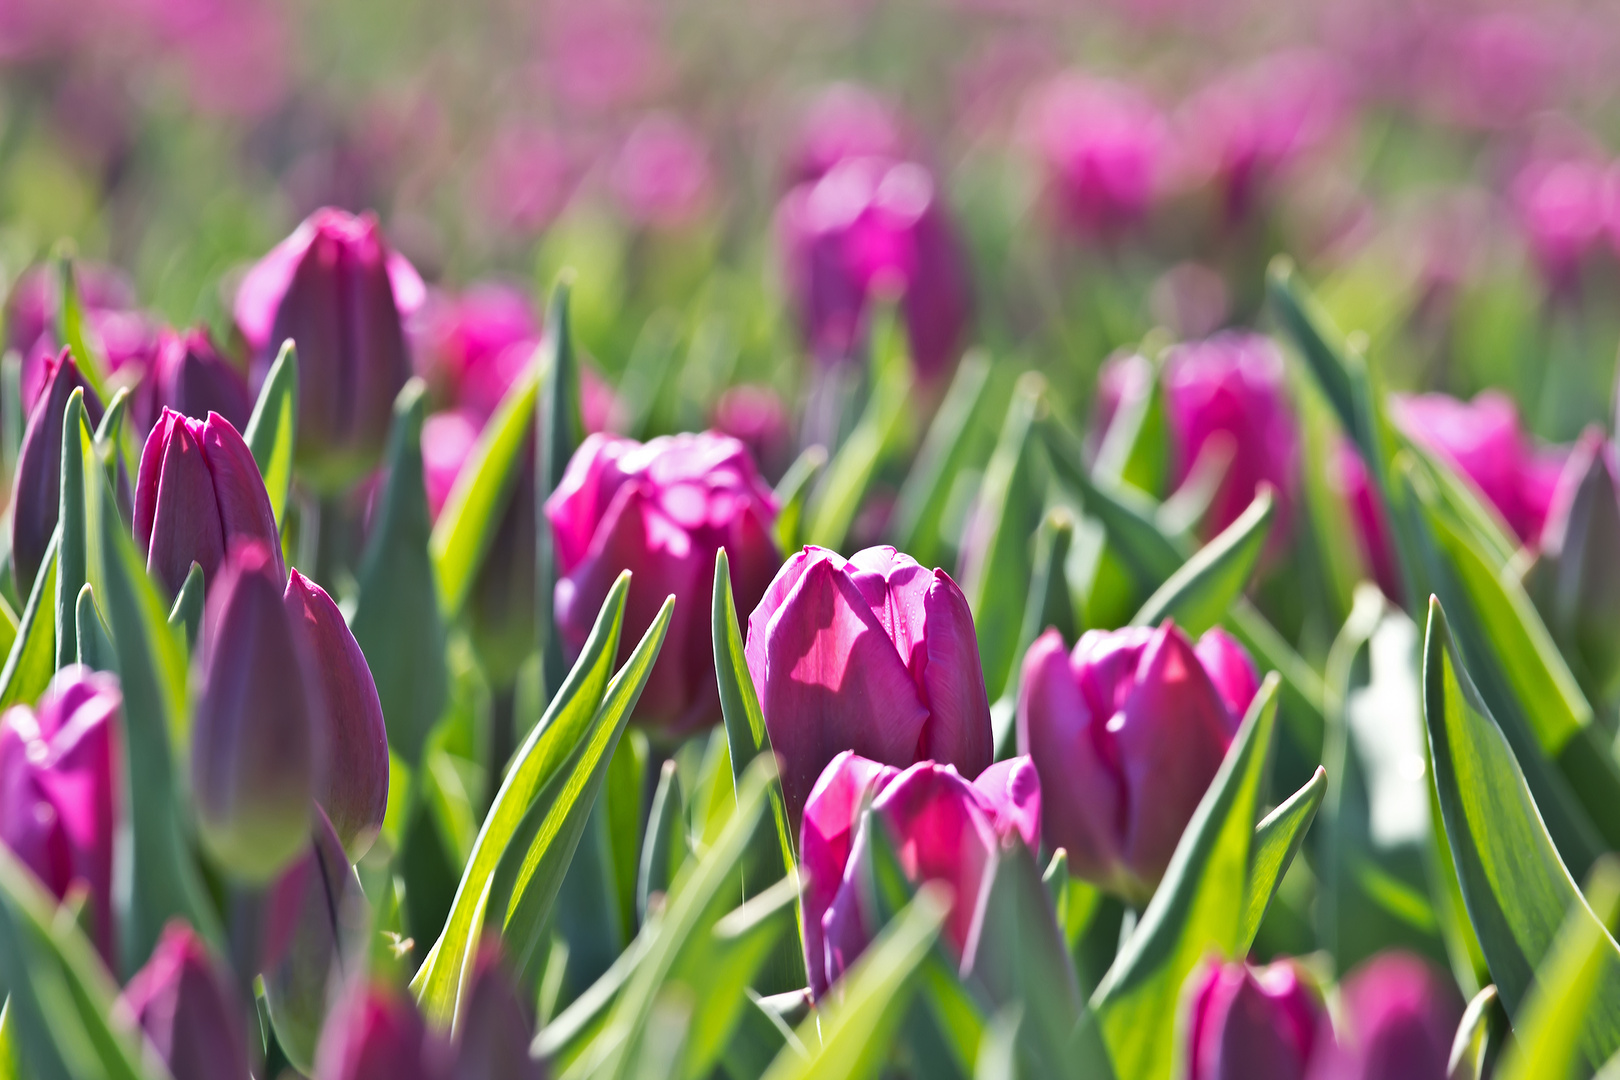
<point x="1582" y="602"/>
<point x="257" y="740"/>
<point x="1104" y="146"/>
<point x="1482" y="440"/>
<point x="187" y="1010"/>
<point x="495" y="1037"/>
<point x="355" y="795"/>
<point x="58" y="790"/>
<point x="106" y="298"/>
<point x="1399" y="1018"/>
<point x="1253" y="1024"/>
<point x="198" y="493"/>
<point x="376" y="1034"/>
<point x="188" y="375"/>
<point x="36" y="494"/>
<point x="339" y="292"/>
<point x="845" y="121"/>
<point x="876" y="655"/>
<point x="1233" y="386"/>
<point x="662" y="510"/>
<point x="1126" y="733"/>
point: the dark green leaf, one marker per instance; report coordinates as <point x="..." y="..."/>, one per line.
<point x="560" y="429"/>
<point x="850" y="472"/>
<point x="919" y="510"/>
<point x="186" y="614"/>
<point x="32" y="660"/>
<point x="1310" y="331"/>
<point x="73" y="328"/>
<point x="1276" y="842"/>
<point x="1048" y="604"/>
<point x="666" y="847"/>
<point x="72" y="552"/>
<point x="94" y="647"/>
<point x="1200" y="593"/>
<point x="272" y="431"/>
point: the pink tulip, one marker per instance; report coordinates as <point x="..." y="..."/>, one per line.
<point x="59" y="790"/>
<point x="846" y="120"/>
<point x="875" y="654"/>
<point x="1564" y="206"/>
<point x="376" y="1034"/>
<point x="108" y="300"/>
<point x="187" y="1010"/>
<point x="662" y="175"/>
<point x="1399" y="1017"/>
<point x="1127" y="732"/>
<point x="472" y="346"/>
<point x="36" y="490"/>
<point x="1104" y="145"/>
<point x="661" y="510"/>
<point x="1254" y="1023"/>
<point x="494" y="1040"/>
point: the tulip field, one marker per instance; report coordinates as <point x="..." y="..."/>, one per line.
<point x="897" y="539"/>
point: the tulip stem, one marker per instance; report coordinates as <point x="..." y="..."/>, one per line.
<point x="246" y="918"/>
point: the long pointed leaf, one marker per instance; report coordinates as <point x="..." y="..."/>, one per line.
<point x="1276" y="842"/>
<point x="1200" y="593"/>
<point x="72" y="554"/>
<point x="272" y="431"/>
<point x="919" y="510"/>
<point x="32" y="659"/>
<point x="559" y="432"/>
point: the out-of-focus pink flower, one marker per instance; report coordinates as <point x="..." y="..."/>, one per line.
<point x="186" y="1009"/>
<point x="662" y="510"/>
<point x="375" y="1033"/>
<point x="874" y="654"/>
<point x="59" y="783"/>
<point x="1492" y="70"/>
<point x="1104" y="145"/>
<point x="1399" y="1017"/>
<point x="755" y="416"/>
<point x="493" y="1043"/>
<point x="472" y="346"/>
<point x="526" y="178"/>
<point x="603" y="55"/>
<point x="1233" y="385"/>
<point x="1348" y="475"/>
<point x="1565" y="207"/>
<point x="187" y="374"/>
<point x="123" y="335"/>
<point x="1483" y="441"/>
<point x="846" y="120"/>
<point x="873" y="224"/>
<point x="1254" y="1023"/>
<point x="1126" y="733"/>
<point x="944" y="829"/>
<point x="662" y="175"/>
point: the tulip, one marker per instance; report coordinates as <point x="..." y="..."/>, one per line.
<point x="754" y="416"/>
<point x="198" y="492"/>
<point x="1253" y="1024"/>
<point x="1126" y="733"/>
<point x="1563" y="205"/>
<point x="845" y="121"/>
<point x="1483" y="441"/>
<point x="339" y="292"/>
<point x="662" y="175"/>
<point x="1104" y="145"/>
<point x="1348" y="475"/>
<point x="377" y="1034"/>
<point x="36" y="494"/>
<point x="188" y="375"/>
<point x="355" y="795"/>
<point x="187" y="1010"/>
<point x="661" y="510"/>
<point x="873" y="224"/>
<point x="944" y="829"/>
<point x="1582" y="593"/>
<point x="59" y="790"/>
<point x="257" y="740"/>
<point x="107" y="300"/>
<point x="876" y="655"/>
<point x="494" y="1039"/>
<point x="1399" y="1018"/>
<point x="1233" y="386"/>
<point x="471" y="347"/>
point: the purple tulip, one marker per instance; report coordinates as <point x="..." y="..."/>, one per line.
<point x="59" y="790"/>
<point x="108" y="300"/>
<point x="188" y="375"/>
<point x="339" y="292"/>
<point x="1483" y="441"/>
<point x="1127" y="732"/>
<point x="471" y="347"/>
<point x="36" y="491"/>
<point x="355" y="795"/>
<point x="1233" y="386"/>
<point x="309" y="908"/>
<point x="494" y="1038"/>
<point x="187" y="1010"/>
<point x="1254" y="1024"/>
<point x="258" y="733"/>
<point x="873" y="224"/>
<point x="845" y="121"/>
<point x="1104" y="145"/>
<point x="661" y="510"/>
<point x="1564" y="205"/>
<point x="662" y="176"/>
<point x="198" y="492"/>
<point x="944" y="829"/>
<point x="377" y="1034"/>
<point x="875" y="654"/>
<point x="1399" y="1018"/>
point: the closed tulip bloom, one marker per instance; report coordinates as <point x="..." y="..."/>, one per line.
<point x="355" y="794"/>
<point x="846" y="120"/>
<point x="1233" y="386"/>
<point x="1399" y="1018"/>
<point x="36" y="491"/>
<point x="661" y="510"/>
<point x="874" y="654"/>
<point x="257" y="749"/>
<point x="187" y="1010"/>
<point x="339" y="292"/>
<point x="1104" y="145"/>
<point x="944" y="829"/>
<point x="59" y="790"/>
<point x="494" y="1038"/>
<point x="198" y="493"/>
<point x="309" y="907"/>
<point x="377" y="1034"/>
<point x="188" y="375"/>
<point x="1581" y="600"/>
<point x="1253" y="1024"/>
<point x="1127" y="732"/>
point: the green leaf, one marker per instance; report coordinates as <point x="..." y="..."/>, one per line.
<point x="272" y="431"/>
<point x="919" y="510"/>
<point x="111" y="449"/>
<point x="560" y="429"/>
<point x="186" y="614"/>
<point x="792" y="495"/>
<point x="852" y="1031"/>
<point x="1276" y="842"/>
<point x="1200" y="907"/>
<point x="1047" y="604"/>
<point x="32" y="660"/>
<point x="543" y="757"/>
<point x="1517" y="890"/>
<point x="61" y="1015"/>
<point x="1200" y="593"/>
<point x="72" y="552"/>
<point x="396" y="620"/>
<point x="94" y="647"/>
<point x="850" y="472"/>
<point x="1312" y="332"/>
<point x="667" y="846"/>
<point x="1480" y="1035"/>
<point x="73" y="328"/>
<point x="1135" y="449"/>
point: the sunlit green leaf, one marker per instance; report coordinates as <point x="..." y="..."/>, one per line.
<point x="272" y="431"/>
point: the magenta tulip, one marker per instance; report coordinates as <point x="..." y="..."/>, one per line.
<point x="377" y="1034"/>
<point x="875" y="654"/>
<point x="258" y="734"/>
<point x="472" y="347"/>
<point x="1233" y="387"/>
<point x="494" y="1039"/>
<point x="198" y="493"/>
<point x="123" y="334"/>
<point x="59" y="790"/>
<point x="944" y="829"/>
<point x="339" y="292"/>
<point x="1564" y="207"/>
<point x="1253" y="1024"/>
<point x="1104" y="145"/>
<point x="355" y="794"/>
<point x="1399" y="1018"/>
<point x="661" y="510"/>
<point x="1126" y="733"/>
<point x="36" y="491"/>
<point x="1482" y="440"/>
<point x="187" y="1010"/>
<point x="187" y="374"/>
<point x="844" y="121"/>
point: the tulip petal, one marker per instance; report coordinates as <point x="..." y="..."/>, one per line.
<point x="186" y="1009"/>
<point x="776" y="593"/>
<point x="244" y="505"/>
<point x="1012" y="789"/>
<point x="953" y="682"/>
<point x="1231" y="670"/>
<point x="186" y="525"/>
